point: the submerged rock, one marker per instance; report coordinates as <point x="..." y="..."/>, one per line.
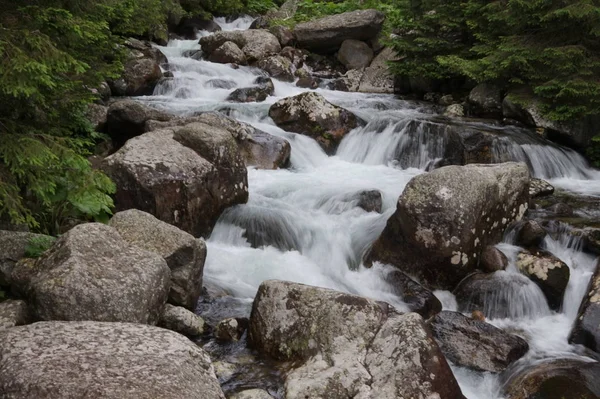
<point x="103" y="360"/>
<point x="91" y="273"/>
<point x="548" y="272"/>
<point x="586" y="330"/>
<point x="13" y="313"/>
<point x="184" y="254"/>
<point x="310" y="114"/>
<point x="347" y="346"/>
<point x="328" y="33"/>
<point x="446" y="218"/>
<point x="370" y="201"/>
<point x="181" y="320"/>
<point x="476" y="344"/>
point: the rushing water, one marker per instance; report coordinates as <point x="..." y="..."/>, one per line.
<point x="307" y="220"/>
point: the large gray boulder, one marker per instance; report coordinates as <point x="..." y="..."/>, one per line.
<point x="278" y="67"/>
<point x="72" y="360"/>
<point x="256" y="44"/>
<point x="355" y="54"/>
<point x="184" y="254"/>
<point x="377" y="77"/>
<point x="312" y="115"/>
<point x="445" y="218"/>
<point x="328" y="33"/>
<point x="13" y="247"/>
<point x="13" y="313"/>
<point x="228" y="53"/>
<point x="347" y="346"/>
<point x="91" y="273"/>
<point x="185" y="176"/>
<point x="476" y="344"/>
<point x="586" y="331"/>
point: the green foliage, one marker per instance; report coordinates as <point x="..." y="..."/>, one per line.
<point x="38" y="245"/>
<point x="549" y="45"/>
<point x="593" y="152"/>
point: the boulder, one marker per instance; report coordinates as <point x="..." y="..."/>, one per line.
<point x="485" y="100"/>
<point x="283" y="34"/>
<point x="231" y="329"/>
<point x="145" y="49"/>
<point x="184" y="254"/>
<point x="445" y="218"/>
<point x="127" y="119"/>
<point x="228" y="53"/>
<point x="278" y="67"/>
<point x="263" y="89"/>
<point x="350" y="81"/>
<point x="324" y="66"/>
<point x="265" y="151"/>
<point x="492" y="260"/>
<point x="454" y="111"/>
<point x="555" y="379"/>
<point x="370" y="200"/>
<point x="377" y="77"/>
<point x="418" y="299"/>
<point x="295" y="55"/>
<point x="328" y="33"/>
<point x="15" y="245"/>
<point x="308" y="82"/>
<point x="251" y="394"/>
<point x="476" y="344"/>
<point x="530" y="234"/>
<point x="13" y="313"/>
<point x="355" y="54"/>
<point x="310" y="114"/>
<point x="97" y="115"/>
<point x="140" y="76"/>
<point x="103" y="360"/>
<point x="548" y="272"/>
<point x="255" y="43"/>
<point x="91" y="273"/>
<point x="585" y="330"/>
<point x="185" y="176"/>
<point x="347" y="346"/>
<point x="181" y="320"/>
<point x="540" y="188"/>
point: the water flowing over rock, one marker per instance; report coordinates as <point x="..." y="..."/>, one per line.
<point x="13" y="313"/>
<point x="355" y="54"/>
<point x="548" y="272"/>
<point x="348" y="346"/>
<point x="103" y="360"/>
<point x="555" y="379"/>
<point x="91" y="273"/>
<point x="184" y="254"/>
<point x="586" y="331"/>
<point x="189" y="27"/>
<point x="476" y="344"/>
<point x="328" y="33"/>
<point x="181" y="320"/>
<point x="255" y="43"/>
<point x="444" y="220"/>
<point x="228" y="53"/>
<point x="310" y="114"/>
<point x="185" y="176"/>
<point x="263" y="89"/>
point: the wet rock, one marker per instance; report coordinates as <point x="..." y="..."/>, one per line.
<point x="181" y="320"/>
<point x="476" y="344"/>
<point x="278" y="67"/>
<point x="586" y="331"/>
<point x="295" y="55"/>
<point x="485" y="100"/>
<point x="251" y="394"/>
<point x="446" y="100"/>
<point x="97" y="115"/>
<point x="328" y="33"/>
<point x="184" y="254"/>
<point x="185" y="176"/>
<point x="255" y="43"/>
<point x="265" y="151"/>
<point x="259" y="93"/>
<point x="548" y="272"/>
<point x="188" y="28"/>
<point x="531" y="234"/>
<point x="193" y="54"/>
<point x="349" y="82"/>
<point x="355" y="54"/>
<point x="455" y="111"/>
<point x="127" y="119"/>
<point x="555" y="379"/>
<point x="91" y="273"/>
<point x="590" y="237"/>
<point x="141" y="71"/>
<point x="492" y="260"/>
<point x="419" y="299"/>
<point x="540" y="188"/>
<point x="103" y="360"/>
<point x="370" y="201"/>
<point x="561" y="209"/>
<point x="323" y="66"/>
<point x="228" y="53"/>
<point x="445" y="218"/>
<point x="308" y="82"/>
<point x="262" y="22"/>
<point x="377" y="77"/>
<point x="14" y="247"/>
<point x="13" y="313"/>
<point x="310" y="114"/>
<point x="231" y="329"/>
<point x="221" y="84"/>
<point x="283" y="34"/>
<point x="347" y="346"/>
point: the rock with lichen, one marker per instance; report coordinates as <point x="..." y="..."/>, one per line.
<point x="586" y="331"/>
<point x="548" y="272"/>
